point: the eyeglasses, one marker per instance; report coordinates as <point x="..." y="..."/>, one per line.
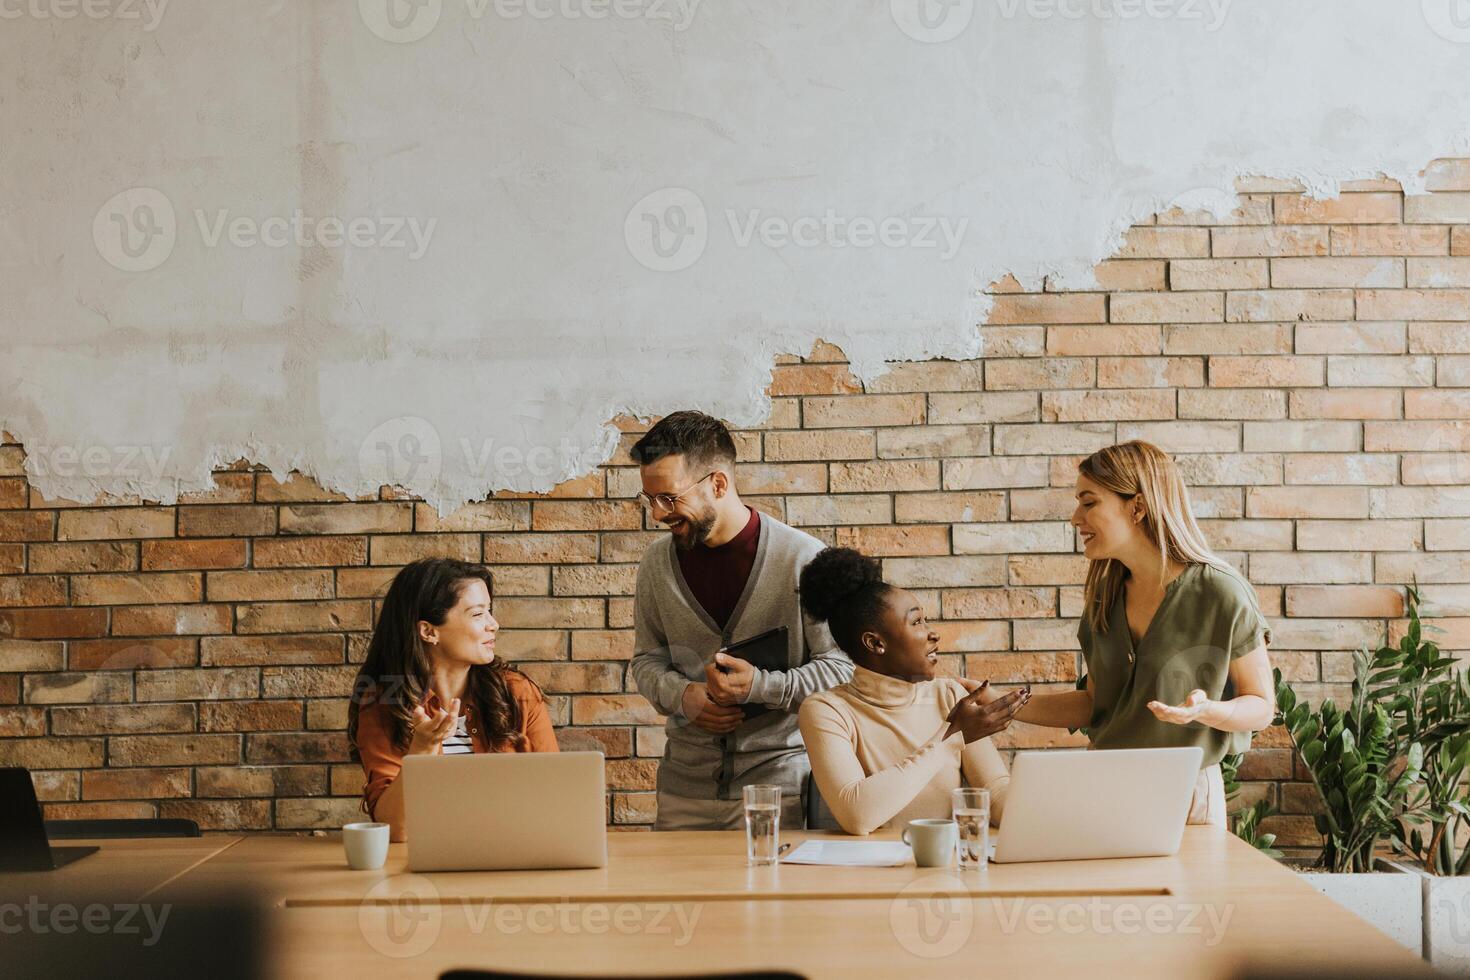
<point x="665" y="501"/>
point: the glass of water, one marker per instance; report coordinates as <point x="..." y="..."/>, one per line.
<point x="972" y="815"/>
<point x="762" y="824"/>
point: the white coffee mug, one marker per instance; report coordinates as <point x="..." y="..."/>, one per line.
<point x="366" y="844"/>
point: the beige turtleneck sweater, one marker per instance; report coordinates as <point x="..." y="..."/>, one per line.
<point x="879" y="754"/>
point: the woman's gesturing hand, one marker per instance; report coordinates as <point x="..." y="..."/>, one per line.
<point x="430" y="730"/>
<point x="980" y="714"/>
<point x="1191" y="710"/>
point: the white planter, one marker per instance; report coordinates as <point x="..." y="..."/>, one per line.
<point x="1446" y="919"/>
<point x="1390" y="900"/>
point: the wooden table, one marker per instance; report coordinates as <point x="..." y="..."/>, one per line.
<point x="126" y="868"/>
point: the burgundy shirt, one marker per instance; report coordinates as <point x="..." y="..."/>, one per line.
<point x="717" y="575"/>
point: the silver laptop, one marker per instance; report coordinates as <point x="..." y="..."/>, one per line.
<point x="1105" y="803"/>
<point x="505" y="810"/>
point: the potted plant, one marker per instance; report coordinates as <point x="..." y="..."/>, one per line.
<point x="1245" y="822"/>
<point x="1365" y="774"/>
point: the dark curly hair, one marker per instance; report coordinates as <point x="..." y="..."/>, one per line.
<point x="845" y="589"/>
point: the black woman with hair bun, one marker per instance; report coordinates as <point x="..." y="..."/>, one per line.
<point x="892" y="744"/>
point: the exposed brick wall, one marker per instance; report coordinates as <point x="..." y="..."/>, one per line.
<point x="1308" y="362"/>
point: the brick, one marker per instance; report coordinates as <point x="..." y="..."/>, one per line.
<point x="1102" y="406"/>
<point x="1431" y="436"/>
<point x="125" y="719"/>
<point x="813" y="379"/>
<point x="400" y="549"/>
<point x="319" y="814"/>
<point x="273" y="748"/>
<point x="821" y="445"/>
<point x="22" y="721"/>
<point x="943" y="508"/>
<point x="136" y="784"/>
<point x="1380" y="372"/>
<point x="1210" y="404"/>
<point x="1248" y="535"/>
<point x="51" y="753"/>
<point x="226" y="521"/>
<point x="850" y="411"/>
<point x="220" y="814"/>
<point x="1266" y="372"/>
<point x="1195" y="307"/>
<point x="1389" y="240"/>
<point x="1227" y="338"/>
<point x="1439" y="535"/>
<point x="296" y="489"/>
<point x="1439" y="273"/>
<point x="52" y="624"/>
<point x="1150" y="372"/>
<point x="1350" y="338"/>
<point x="615" y="743"/>
<point x="93" y="590"/>
<point x="991" y="473"/>
<point x="628" y="547"/>
<point x="115" y="810"/>
<point x="12" y="558"/>
<point x="1026" y="374"/>
<point x="1008" y="406"/>
<point x="591" y="484"/>
<point x="1268" y="242"/>
<point x="266" y="585"/>
<point x="1017" y="668"/>
<point x="1184" y="437"/>
<point x="1358" y="404"/>
<point x="84" y="556"/>
<point x="1023" y="341"/>
<point x="781" y="478"/>
<point x="1444" y="209"/>
<point x="121" y="523"/>
<point x="1164" y="243"/>
<point x="484" y="516"/>
<point x="1436" y="404"/>
<point x="1230" y="469"/>
<point x="242" y="651"/>
<point x="1349" y="209"/>
<point x="320" y="552"/>
<point x="1048" y="308"/>
<point x="1268" y="568"/>
<point x="910" y="539"/>
<point x="576" y="678"/>
<point x="326" y="715"/>
<point x="1039" y="536"/>
<point x="301" y="617"/>
<point x="34" y="590"/>
<point x="1338" y="469"/>
<point x="200" y="553"/>
<point x="1380" y="535"/>
<point x="586" y="515"/>
<point x="1447" y="469"/>
<point x="1418" y="502"/>
<point x="540" y="548"/>
<point x="1453" y="372"/>
<point x="1050" y="439"/>
<point x="999" y="603"/>
<point x="1044" y="634"/>
<point x="515" y="645"/>
<point x="606" y="709"/>
<point x="131" y="653"/>
<point x="230" y="487"/>
<point x="1130" y="274"/>
<point x="78" y="688"/>
<point x="1413" y="566"/>
<point x="602" y="644"/>
<point x="944" y="572"/>
<point x="1438" y="338"/>
<point x="1333" y="273"/>
<point x="593" y="580"/>
<point x="20" y="526"/>
<point x="1449" y="174"/>
<point x="842" y="509"/>
<point x="928" y="376"/>
<point x="13" y="493"/>
<point x="537" y="613"/>
<point x="1326" y="634"/>
<point x="885" y="476"/>
<point x="29" y="655"/>
<point x="1374" y="601"/>
<point x="307" y="682"/>
<point x="1214" y="274"/>
<point x="209" y="684"/>
<point x="1293" y="304"/>
<point x="1413" y="304"/>
<point x="1291" y="437"/>
<point x="934" y="441"/>
<point x="1322" y="502"/>
<point x="351" y="518"/>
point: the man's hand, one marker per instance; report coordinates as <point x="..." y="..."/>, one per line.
<point x="976" y="717"/>
<point x="706" y="714"/>
<point x="728" y="679"/>
<point x="1193" y="709"/>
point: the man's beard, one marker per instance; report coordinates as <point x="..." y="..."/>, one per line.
<point x="698" y="530"/>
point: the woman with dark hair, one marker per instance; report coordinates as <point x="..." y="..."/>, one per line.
<point x="432" y="651"/>
<point x="892" y="744"/>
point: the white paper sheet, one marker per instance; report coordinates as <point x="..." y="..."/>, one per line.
<point x="851" y="853"/>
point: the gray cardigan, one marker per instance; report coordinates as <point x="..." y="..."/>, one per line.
<point x="675" y="638"/>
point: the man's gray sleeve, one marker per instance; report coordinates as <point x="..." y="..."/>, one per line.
<point x="826" y="668"/>
<point x="652" y="666"/>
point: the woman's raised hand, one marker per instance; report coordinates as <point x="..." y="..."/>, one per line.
<point x="980" y="714"/>
<point x="431" y="729"/>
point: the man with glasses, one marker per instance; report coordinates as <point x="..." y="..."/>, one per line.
<point x="727" y="573"/>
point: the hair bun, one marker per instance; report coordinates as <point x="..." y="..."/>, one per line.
<point x="834" y="576"/>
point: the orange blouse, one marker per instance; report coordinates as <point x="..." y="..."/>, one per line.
<point x="381" y="760"/>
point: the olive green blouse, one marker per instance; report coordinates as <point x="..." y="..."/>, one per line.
<point x="1208" y="617"/>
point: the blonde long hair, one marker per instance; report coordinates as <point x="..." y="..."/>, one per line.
<point x="1129" y="469"/>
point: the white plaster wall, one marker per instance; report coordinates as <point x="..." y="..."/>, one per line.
<point x="531" y="149"/>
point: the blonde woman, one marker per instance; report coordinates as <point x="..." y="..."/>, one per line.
<point x="1165" y="623"/>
